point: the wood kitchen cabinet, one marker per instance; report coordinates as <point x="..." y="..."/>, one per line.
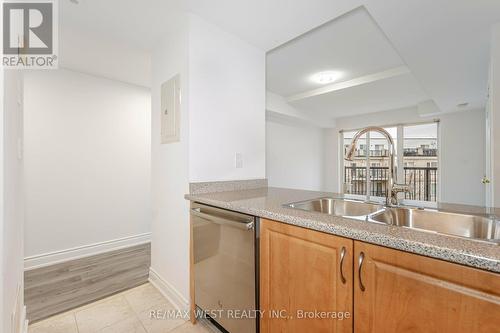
<point x="385" y="290"/>
<point x="304" y="270"/>
<point x="405" y="292"/>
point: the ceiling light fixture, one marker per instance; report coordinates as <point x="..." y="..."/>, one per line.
<point x="326" y="77"/>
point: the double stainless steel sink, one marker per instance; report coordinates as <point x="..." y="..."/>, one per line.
<point x="460" y="225"/>
<point x="337" y="207"/>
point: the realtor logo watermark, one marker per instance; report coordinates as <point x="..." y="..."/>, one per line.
<point x="30" y="34"/>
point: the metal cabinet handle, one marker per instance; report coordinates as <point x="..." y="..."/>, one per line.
<point x="247" y="225"/>
<point x="342" y="256"/>
<point x="360" y="265"/>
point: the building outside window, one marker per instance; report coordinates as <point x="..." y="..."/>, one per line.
<point x="416" y="162"/>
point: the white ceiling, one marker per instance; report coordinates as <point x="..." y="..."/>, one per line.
<point x="445" y="43"/>
<point x="138" y="23"/>
<point x="263" y="23"/>
<point x="270" y="23"/>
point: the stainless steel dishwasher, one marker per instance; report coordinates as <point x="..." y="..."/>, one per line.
<point x="225" y="274"/>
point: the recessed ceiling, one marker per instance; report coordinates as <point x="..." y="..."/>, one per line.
<point x="389" y="94"/>
<point x="355" y="45"/>
<point x="352" y="44"/>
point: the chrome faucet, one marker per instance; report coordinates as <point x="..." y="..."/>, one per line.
<point x="393" y="188"/>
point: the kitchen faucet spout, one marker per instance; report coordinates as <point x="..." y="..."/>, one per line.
<point x="393" y="188"/>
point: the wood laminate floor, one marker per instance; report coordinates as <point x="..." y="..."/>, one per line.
<point x="64" y="286"/>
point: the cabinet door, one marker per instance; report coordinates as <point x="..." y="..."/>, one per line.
<point x="405" y="292"/>
<point x="302" y="272"/>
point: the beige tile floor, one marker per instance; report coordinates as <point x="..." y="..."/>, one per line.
<point x="127" y="312"/>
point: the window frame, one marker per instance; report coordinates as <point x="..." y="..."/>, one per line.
<point x="400" y="163"/>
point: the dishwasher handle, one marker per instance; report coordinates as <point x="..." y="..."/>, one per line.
<point x="245" y="225"/>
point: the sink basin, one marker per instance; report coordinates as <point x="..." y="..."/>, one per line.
<point x="337" y="207"/>
<point x="469" y="226"/>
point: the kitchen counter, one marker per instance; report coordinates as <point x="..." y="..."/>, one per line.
<point x="268" y="202"/>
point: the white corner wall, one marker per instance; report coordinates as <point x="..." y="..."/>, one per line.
<point x="278" y="107"/>
<point x="222" y="113"/>
<point x="494" y="100"/>
<point x="227" y="105"/>
<point x="294" y="155"/>
<point x="170" y="168"/>
<point x="331" y="157"/>
<point x="87" y="148"/>
<point x="463" y="156"/>
<point x="12" y="204"/>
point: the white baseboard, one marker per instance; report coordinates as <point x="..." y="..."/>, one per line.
<point x="56" y="257"/>
<point x="170" y="293"/>
<point x="24" y="322"/>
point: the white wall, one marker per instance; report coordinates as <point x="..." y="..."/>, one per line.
<point x="170" y="167"/>
<point x="87" y="153"/>
<point x="222" y="112"/>
<point x="494" y="100"/>
<point x="331" y="158"/>
<point x="227" y="105"/>
<point x="279" y="107"/>
<point x="294" y="155"/>
<point x="463" y="157"/>
<point x="12" y="205"/>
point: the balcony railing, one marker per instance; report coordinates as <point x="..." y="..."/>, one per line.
<point x="424" y="183"/>
<point x="426" y="152"/>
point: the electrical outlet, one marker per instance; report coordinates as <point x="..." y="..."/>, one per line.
<point x="238" y="160"/>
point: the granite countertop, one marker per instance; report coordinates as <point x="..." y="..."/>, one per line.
<point x="268" y="202"/>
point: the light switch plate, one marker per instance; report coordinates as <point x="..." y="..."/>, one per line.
<point x="238" y="160"/>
